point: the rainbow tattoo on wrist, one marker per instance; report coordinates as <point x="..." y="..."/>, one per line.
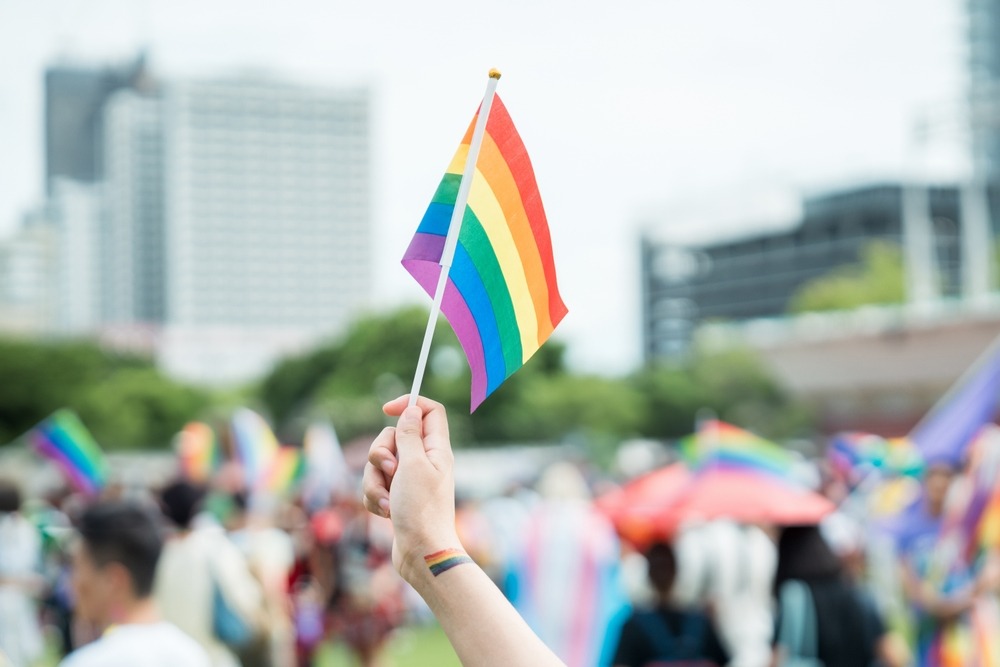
<point x="444" y="560"/>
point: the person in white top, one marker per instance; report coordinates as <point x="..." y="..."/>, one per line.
<point x="20" y="581"/>
<point x="114" y="563"/>
<point x="200" y="562"/>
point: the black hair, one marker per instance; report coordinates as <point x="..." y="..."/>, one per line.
<point x="803" y="554"/>
<point x="125" y="533"/>
<point x="181" y="501"/>
<point x="10" y="497"/>
<point x="662" y="566"/>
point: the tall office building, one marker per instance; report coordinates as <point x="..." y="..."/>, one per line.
<point x="132" y="281"/>
<point x="28" y="265"/>
<point x="267" y="204"/>
<point x="983" y="20"/>
<point x="238" y="219"/>
<point x="75" y="215"/>
<point x="757" y="275"/>
<point x="74" y="101"/>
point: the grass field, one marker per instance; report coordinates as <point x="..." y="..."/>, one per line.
<point x="409" y="647"/>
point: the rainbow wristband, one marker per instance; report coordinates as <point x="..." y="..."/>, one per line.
<point x="444" y="560"/>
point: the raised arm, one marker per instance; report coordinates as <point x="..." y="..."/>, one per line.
<point x="409" y="479"/>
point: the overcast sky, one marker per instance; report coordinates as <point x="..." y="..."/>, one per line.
<point x="680" y="112"/>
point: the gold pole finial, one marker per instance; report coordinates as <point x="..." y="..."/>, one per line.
<point x="494" y="73"/>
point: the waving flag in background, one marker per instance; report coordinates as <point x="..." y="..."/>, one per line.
<point x="64" y="439"/>
<point x="254" y="444"/>
<point x="198" y="452"/>
<point x="947" y="430"/>
<point x="501" y="297"/>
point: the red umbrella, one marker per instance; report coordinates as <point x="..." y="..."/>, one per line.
<point x="636" y="509"/>
<point x="745" y="496"/>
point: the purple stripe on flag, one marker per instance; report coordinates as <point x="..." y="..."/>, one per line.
<point x="66" y="465"/>
<point x="946" y="432"/>
<point x="426" y="247"/>
<point x="421" y="261"/>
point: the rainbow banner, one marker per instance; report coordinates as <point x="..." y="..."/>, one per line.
<point x="286" y="470"/>
<point x="198" y="452"/>
<point x="721" y="445"/>
<point x="501" y="297"/>
<point x="63" y="439"/>
<point x="254" y="443"/>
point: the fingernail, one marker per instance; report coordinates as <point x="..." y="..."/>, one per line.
<point x="413" y="412"/>
<point x="388" y="467"/>
<point x="383" y="504"/>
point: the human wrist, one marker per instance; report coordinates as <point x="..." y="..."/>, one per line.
<point x="414" y="567"/>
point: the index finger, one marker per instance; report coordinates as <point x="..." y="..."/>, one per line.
<point x="435" y="420"/>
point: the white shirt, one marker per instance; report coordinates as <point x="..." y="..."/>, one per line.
<point x="153" y="645"/>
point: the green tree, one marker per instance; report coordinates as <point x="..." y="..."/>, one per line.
<point x="877" y="279"/>
<point x="121" y="398"/>
<point x="347" y="379"/>
<point x="137" y="408"/>
<point x="732" y="385"/>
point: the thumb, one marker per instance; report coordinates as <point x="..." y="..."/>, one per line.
<point x="409" y="435"/>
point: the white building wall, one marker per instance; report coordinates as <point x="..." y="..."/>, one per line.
<point x="76" y="210"/>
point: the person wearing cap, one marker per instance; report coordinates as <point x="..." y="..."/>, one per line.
<point x="409" y="479"/>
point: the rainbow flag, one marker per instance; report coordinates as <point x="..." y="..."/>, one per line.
<point x="254" y="444"/>
<point x="855" y="455"/>
<point x="501" y="298"/>
<point x="285" y="472"/>
<point x="198" y="452"/>
<point x="63" y="439"/>
<point x="721" y="445"/>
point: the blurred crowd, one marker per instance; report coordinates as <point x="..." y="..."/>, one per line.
<point x="249" y="578"/>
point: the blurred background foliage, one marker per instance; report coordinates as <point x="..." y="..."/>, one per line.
<point x="128" y="404"/>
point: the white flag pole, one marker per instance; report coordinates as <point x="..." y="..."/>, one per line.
<point x="448" y="254"/>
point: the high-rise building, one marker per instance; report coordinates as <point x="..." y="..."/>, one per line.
<point x="74" y="101"/>
<point x="76" y="216"/>
<point x="983" y="20"/>
<point x="237" y="219"/>
<point x="28" y="264"/>
<point x="133" y="279"/>
<point x="757" y="275"/>
<point x="267" y="204"/>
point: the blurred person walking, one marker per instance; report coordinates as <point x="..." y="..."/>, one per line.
<point x="566" y="580"/>
<point x="203" y="582"/>
<point x="270" y="554"/>
<point x="824" y="619"/>
<point x="20" y="581"/>
<point x="114" y="564"/>
<point x="662" y="634"/>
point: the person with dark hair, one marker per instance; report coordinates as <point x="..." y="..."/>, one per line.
<point x="203" y="575"/>
<point x="20" y="580"/>
<point x="822" y="614"/>
<point x="664" y="635"/>
<point x="114" y="564"/>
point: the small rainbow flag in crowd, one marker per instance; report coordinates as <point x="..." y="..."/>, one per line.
<point x="855" y="455"/>
<point x="254" y="443"/>
<point x="718" y="444"/>
<point x="198" y="452"/>
<point x="501" y="297"/>
<point x="63" y="439"/>
<point x="286" y="470"/>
